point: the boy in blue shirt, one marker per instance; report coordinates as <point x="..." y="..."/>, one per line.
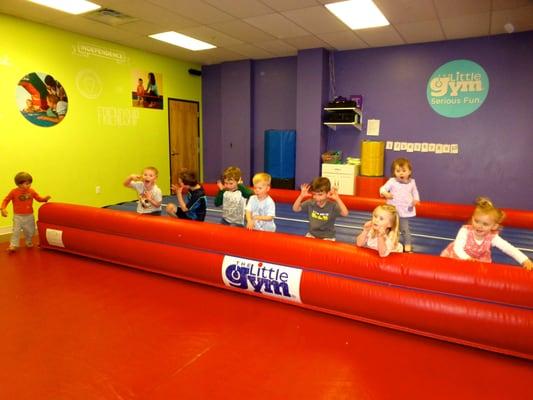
<point x="193" y="205"/>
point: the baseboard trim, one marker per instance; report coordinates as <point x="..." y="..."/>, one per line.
<point x="5" y="233"/>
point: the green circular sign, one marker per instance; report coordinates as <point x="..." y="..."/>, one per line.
<point x="457" y="88"/>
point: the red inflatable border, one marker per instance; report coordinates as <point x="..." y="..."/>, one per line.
<point x="476" y="304"/>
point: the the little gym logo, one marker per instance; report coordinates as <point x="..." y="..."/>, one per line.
<point x="457" y="88"/>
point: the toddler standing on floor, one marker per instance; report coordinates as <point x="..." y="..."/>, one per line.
<point x="381" y="233"/>
<point x="475" y="240"/>
<point x="401" y="192"/>
<point x="149" y="194"/>
<point x="23" y="220"/>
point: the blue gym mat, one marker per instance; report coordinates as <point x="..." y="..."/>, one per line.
<point x="430" y="236"/>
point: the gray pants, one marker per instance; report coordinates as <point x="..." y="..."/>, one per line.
<point x="24" y="223"/>
<point x="405" y="231"/>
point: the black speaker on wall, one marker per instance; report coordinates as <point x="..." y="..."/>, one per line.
<point x="195" y="72"/>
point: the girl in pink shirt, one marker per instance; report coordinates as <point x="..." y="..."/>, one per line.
<point x="475" y="240"/>
<point x="401" y="192"/>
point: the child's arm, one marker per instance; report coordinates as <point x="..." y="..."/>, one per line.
<point x="384" y="245"/>
<point x="362" y="238"/>
<point x="40" y="199"/>
<point x="304" y="192"/>
<point x="219" y="199"/>
<point x="384" y="191"/>
<point x="131" y="178"/>
<point x="249" y="220"/>
<point x="246" y="192"/>
<point x="178" y="189"/>
<point x="415" y="194"/>
<point x="512" y="251"/>
<point x="460" y="243"/>
<point x="5" y="202"/>
<point x="333" y="195"/>
<point x="155" y="199"/>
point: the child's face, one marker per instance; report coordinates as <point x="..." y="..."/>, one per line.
<point x="149" y="176"/>
<point x="381" y="219"/>
<point x="24" y="185"/>
<point x="231" y="184"/>
<point x="402" y="173"/>
<point x="320" y="197"/>
<point x="483" y="224"/>
<point x="261" y="189"/>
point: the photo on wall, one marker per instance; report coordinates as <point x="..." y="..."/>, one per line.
<point x="41" y="99"/>
<point x="147" y="89"/>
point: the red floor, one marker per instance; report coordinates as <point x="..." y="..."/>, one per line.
<point x="72" y="328"/>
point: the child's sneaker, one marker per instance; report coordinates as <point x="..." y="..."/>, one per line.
<point x="11" y="249"/>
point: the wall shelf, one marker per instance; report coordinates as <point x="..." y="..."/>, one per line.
<point x="351" y="113"/>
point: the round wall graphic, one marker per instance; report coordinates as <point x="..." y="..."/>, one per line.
<point x="41" y="99"/>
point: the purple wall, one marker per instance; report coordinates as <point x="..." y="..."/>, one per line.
<point x="236" y="116"/>
<point x="313" y="68"/>
<point x="495" y="142"/>
<point x="274" y="103"/>
<point x="211" y="117"/>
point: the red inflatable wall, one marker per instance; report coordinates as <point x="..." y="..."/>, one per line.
<point x="476" y="304"/>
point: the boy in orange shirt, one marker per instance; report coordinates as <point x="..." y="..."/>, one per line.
<point x="22" y="197"/>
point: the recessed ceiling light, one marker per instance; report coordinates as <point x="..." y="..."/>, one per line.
<point x="358" y="14"/>
<point x="177" y="39"/>
<point x="69" y="6"/>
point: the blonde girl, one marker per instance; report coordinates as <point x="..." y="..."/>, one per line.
<point x="475" y="240"/>
<point x="381" y="233"/>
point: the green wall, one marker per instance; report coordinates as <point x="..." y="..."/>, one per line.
<point x="102" y="138"/>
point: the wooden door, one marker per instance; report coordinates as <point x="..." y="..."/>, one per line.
<point x="184" y="140"/>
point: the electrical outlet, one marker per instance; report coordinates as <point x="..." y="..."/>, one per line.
<point x="98" y="190"/>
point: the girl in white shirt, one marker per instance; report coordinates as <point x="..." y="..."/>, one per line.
<point x="475" y="240"/>
<point x="381" y="233"/>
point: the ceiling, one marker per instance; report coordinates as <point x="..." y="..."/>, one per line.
<point x="260" y="29"/>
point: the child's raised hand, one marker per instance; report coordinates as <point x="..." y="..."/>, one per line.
<point x="136" y="177"/>
<point x="382" y="231"/>
<point x="304" y="189"/>
<point x="4" y="212"/>
<point x="367" y="226"/>
<point x="333" y="194"/>
<point x="220" y="185"/>
<point x="177" y="188"/>
<point x="46" y="198"/>
<point x="528" y="264"/>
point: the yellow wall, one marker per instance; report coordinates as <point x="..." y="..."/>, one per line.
<point x="102" y="138"/>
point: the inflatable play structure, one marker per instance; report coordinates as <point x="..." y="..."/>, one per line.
<point x="488" y="306"/>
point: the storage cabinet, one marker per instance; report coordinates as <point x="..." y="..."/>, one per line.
<point x="341" y="176"/>
<point x="343" y="116"/>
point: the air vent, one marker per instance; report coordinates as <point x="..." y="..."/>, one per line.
<point x="110" y="17"/>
